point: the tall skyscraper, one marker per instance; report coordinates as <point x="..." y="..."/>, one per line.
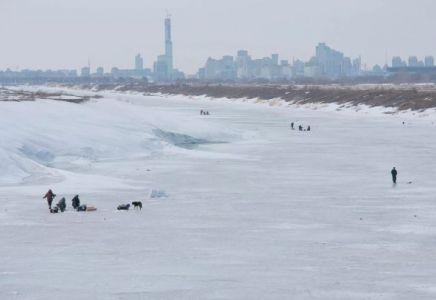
<point x="168" y="43"/>
<point x="139" y="62"/>
<point x="163" y="67"/>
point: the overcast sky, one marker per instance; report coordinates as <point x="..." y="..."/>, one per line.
<point x="63" y="34"/>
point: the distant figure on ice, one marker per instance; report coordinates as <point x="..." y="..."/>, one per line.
<point x="292" y="125"/>
<point x="308" y="128"/>
<point x="300" y="128"/>
<point x="207" y="113"/>
<point x="394" y="175"/>
<point x="75" y="202"/>
<point x="61" y="204"/>
<point x="50" y="196"/>
<point x="201" y="112"/>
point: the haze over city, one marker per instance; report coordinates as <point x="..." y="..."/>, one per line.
<point x="53" y="34"/>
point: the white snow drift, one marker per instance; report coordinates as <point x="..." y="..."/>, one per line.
<point x="45" y="133"/>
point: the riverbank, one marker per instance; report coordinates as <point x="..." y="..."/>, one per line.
<point x="415" y="97"/>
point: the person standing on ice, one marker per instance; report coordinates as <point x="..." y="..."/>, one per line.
<point x="394" y="175"/>
<point x="50" y="196"/>
<point x="292" y="125"/>
<point x="75" y="202"/>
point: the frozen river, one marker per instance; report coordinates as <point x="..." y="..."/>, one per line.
<point x="255" y="210"/>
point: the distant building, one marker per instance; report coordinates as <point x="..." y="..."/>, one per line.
<point x="163" y="68"/>
<point x="413" y="70"/>
<point x="415" y="66"/>
<point x="347" y="67"/>
<point x="242" y="53"/>
<point x="429" y="61"/>
<point x="329" y="60"/>
<point x="286" y="71"/>
<point x="243" y="64"/>
<point x="227" y="68"/>
<point x="298" y="68"/>
<point x="413" y="61"/>
<point x="139" y="62"/>
<point x="396" y="61"/>
<point x="202" y="73"/>
<point x="85" y="72"/>
<point x="311" y="71"/>
<point x="168" y="44"/>
<point x="160" y="68"/>
<point x="265" y="72"/>
<point x="377" y="69"/>
<point x="114" y="72"/>
<point x="100" y="71"/>
<point x="357" y="67"/>
<point x="275" y="59"/>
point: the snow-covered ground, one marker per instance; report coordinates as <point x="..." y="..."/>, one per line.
<point x="255" y="210"/>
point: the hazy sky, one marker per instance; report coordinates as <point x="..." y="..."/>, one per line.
<point x="63" y="34"/>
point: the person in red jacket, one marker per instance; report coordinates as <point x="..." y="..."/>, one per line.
<point x="50" y="196"/>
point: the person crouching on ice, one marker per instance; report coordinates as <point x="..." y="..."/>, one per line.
<point x="62" y="205"/>
<point x="50" y="196"/>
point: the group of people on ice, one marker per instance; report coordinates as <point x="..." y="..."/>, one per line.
<point x="204" y="112"/>
<point x="75" y="203"/>
<point x="300" y="127"/>
<point x="62" y="205"/>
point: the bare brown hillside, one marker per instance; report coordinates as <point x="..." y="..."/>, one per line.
<point x="402" y="97"/>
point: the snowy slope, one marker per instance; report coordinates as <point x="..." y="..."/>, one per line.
<point x="48" y="133"/>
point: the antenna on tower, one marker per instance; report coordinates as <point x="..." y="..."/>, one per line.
<point x="168" y="14"/>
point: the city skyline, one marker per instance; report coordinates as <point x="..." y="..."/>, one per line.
<point x="327" y="63"/>
<point x="369" y="29"/>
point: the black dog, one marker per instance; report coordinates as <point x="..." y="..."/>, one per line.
<point x="137" y="204"/>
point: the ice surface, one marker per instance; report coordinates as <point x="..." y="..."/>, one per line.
<point x="257" y="211"/>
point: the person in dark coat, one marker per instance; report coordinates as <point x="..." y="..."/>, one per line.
<point x="300" y="128"/>
<point x="292" y="125"/>
<point x="50" y="196"/>
<point x="308" y="128"/>
<point x="61" y="204"/>
<point x="75" y="202"/>
<point x="394" y="175"/>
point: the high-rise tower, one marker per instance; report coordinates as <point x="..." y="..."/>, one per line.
<point x="168" y="43"/>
